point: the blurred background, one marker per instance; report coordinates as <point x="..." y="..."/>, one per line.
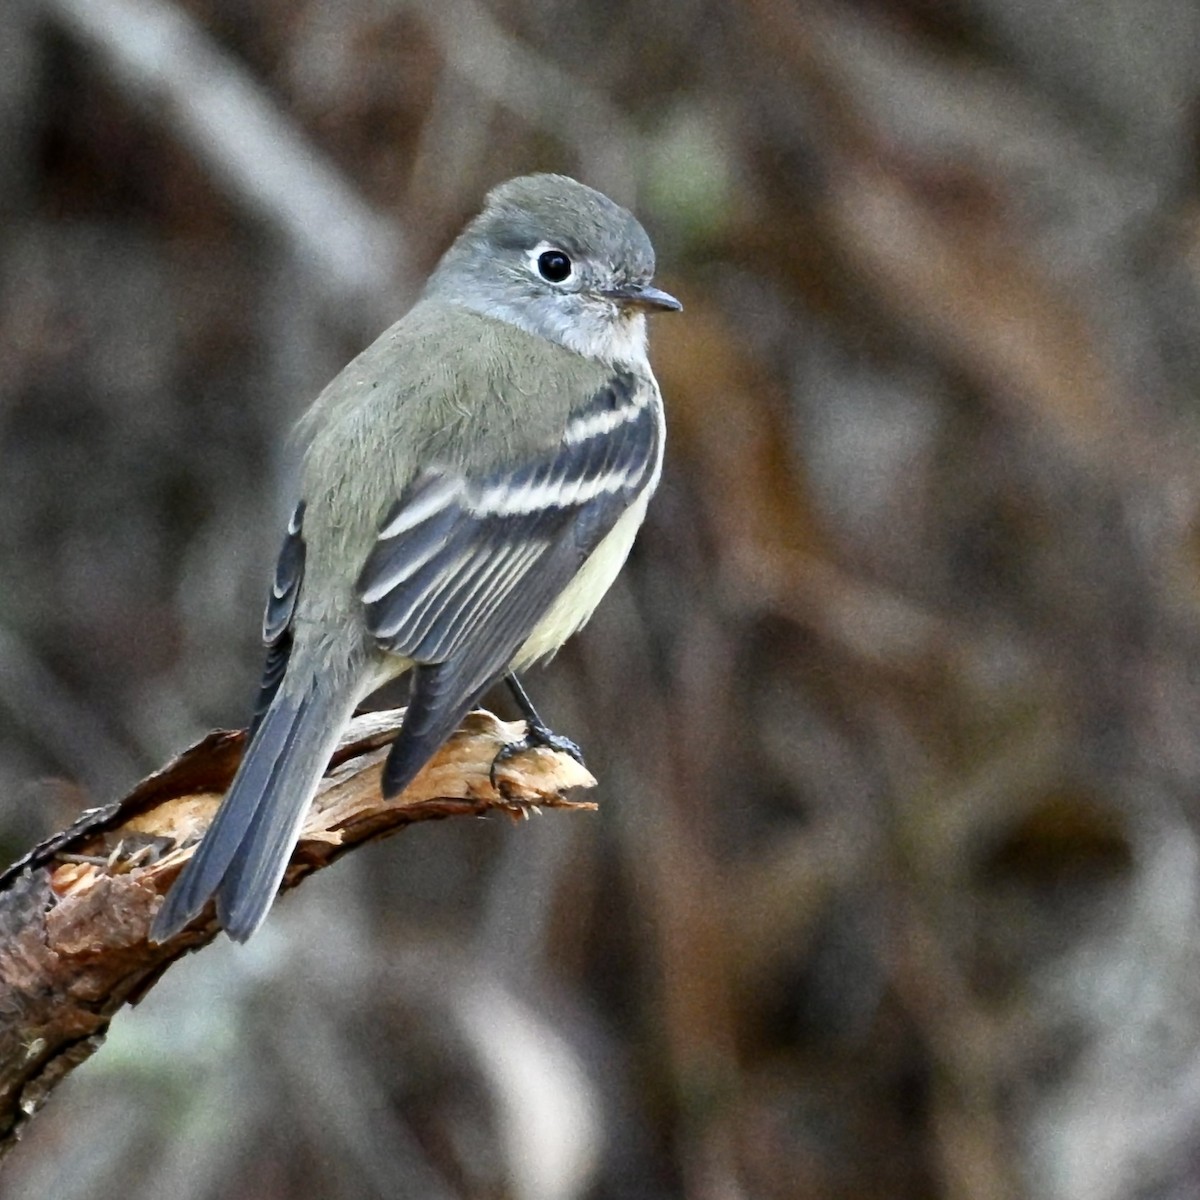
<point x="894" y="890"/>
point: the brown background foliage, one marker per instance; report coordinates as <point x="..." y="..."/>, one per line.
<point x="894" y="888"/>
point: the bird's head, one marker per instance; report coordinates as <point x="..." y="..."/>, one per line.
<point x="559" y="260"/>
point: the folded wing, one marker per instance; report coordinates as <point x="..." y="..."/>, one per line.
<point x="464" y="569"/>
<point x="277" y="619"/>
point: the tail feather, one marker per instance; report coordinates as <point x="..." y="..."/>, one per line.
<point x="243" y="856"/>
<point x="246" y="850"/>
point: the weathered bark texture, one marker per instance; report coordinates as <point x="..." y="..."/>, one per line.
<point x="76" y="911"/>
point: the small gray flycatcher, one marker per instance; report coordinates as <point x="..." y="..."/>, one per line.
<point x="470" y="486"/>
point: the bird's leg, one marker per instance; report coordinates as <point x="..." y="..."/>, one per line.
<point x="537" y="732"/>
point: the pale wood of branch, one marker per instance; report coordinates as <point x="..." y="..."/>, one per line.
<point x="75" y="913"/>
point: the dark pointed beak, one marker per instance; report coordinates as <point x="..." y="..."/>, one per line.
<point x="643" y="296"/>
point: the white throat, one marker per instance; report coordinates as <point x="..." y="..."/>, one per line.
<point x="598" y="332"/>
<point x="620" y="340"/>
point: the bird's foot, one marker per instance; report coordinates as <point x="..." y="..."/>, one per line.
<point x="536" y="734"/>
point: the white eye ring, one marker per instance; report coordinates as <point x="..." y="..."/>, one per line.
<point x="546" y="260"/>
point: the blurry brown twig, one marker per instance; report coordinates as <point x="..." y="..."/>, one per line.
<point x="75" y="913"/>
<point x="158" y="53"/>
<point x="513" y="75"/>
<point x="33" y="697"/>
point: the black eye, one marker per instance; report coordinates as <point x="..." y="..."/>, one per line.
<point x="554" y="266"/>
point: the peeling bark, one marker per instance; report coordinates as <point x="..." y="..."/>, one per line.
<point x="75" y="912"/>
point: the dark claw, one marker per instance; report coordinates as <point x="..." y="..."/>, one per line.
<point x="536" y="735"/>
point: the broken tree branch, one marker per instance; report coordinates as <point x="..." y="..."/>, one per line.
<point x="75" y="912"/>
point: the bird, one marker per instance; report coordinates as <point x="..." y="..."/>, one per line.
<point x="469" y="487"/>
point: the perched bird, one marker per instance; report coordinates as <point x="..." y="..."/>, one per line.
<point x="470" y="486"/>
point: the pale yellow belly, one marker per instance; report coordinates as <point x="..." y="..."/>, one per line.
<point x="570" y="612"/>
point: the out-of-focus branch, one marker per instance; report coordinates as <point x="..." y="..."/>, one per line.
<point x="511" y="74"/>
<point x="34" y="698"/>
<point x="159" y="54"/>
<point x="75" y="913"/>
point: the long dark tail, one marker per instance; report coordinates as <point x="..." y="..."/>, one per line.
<point x="246" y="850"/>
